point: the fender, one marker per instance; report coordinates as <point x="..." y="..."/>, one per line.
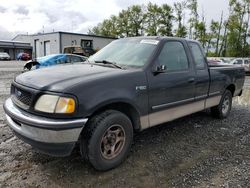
<point x="113" y="101"/>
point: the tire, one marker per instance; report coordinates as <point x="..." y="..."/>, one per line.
<point x="222" y="110"/>
<point x="107" y="139"/>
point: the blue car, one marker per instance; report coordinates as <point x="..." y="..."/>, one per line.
<point x="54" y="59"/>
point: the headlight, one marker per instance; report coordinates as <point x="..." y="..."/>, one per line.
<point x="55" y="104"/>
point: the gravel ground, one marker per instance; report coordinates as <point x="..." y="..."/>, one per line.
<point x="194" y="151"/>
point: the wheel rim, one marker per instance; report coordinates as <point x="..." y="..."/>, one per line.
<point x="225" y="105"/>
<point x="113" y="141"/>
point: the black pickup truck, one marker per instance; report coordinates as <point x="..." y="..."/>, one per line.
<point x="130" y="85"/>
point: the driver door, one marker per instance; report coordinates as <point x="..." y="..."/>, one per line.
<point x="171" y="90"/>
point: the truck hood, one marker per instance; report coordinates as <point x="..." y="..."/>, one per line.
<point x="61" y="78"/>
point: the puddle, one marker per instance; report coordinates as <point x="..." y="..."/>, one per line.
<point x="244" y="99"/>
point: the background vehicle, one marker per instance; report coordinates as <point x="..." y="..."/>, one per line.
<point x="243" y="62"/>
<point x="78" y="50"/>
<point x="130" y="85"/>
<point x="23" y="56"/>
<point x="4" y="56"/>
<point x="216" y="62"/>
<point x="55" y="59"/>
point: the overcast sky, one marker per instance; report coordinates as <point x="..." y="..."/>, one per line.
<point x="32" y="16"/>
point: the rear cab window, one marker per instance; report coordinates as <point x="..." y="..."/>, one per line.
<point x="198" y="55"/>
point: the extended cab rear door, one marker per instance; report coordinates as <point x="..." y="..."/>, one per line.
<point x="202" y="78"/>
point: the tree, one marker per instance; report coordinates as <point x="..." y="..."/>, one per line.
<point x="223" y="46"/>
<point x="165" y="20"/>
<point x="246" y="46"/>
<point x="214" y="30"/>
<point x="107" y="28"/>
<point x="136" y="20"/>
<point x="179" y="7"/>
<point x="214" y="37"/>
<point x="200" y="33"/>
<point x="152" y="17"/>
<point x="95" y="30"/>
<point x="238" y="27"/>
<point x="226" y="37"/>
<point x="192" y="5"/>
<point x="123" y="21"/>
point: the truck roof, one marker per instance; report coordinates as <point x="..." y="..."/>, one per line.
<point x="161" y="38"/>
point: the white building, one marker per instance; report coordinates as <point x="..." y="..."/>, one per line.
<point x="54" y="43"/>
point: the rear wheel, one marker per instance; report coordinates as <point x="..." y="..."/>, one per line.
<point x="223" y="109"/>
<point x="107" y="139"/>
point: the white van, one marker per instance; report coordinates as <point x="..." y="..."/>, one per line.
<point x="243" y="62"/>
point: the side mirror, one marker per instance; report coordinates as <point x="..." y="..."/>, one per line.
<point x="160" y="69"/>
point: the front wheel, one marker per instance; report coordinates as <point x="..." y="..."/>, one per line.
<point x="107" y="139"/>
<point x="223" y="109"/>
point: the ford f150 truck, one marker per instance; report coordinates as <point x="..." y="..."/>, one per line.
<point x="130" y="85"/>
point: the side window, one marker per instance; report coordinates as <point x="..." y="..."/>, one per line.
<point x="59" y="60"/>
<point x="197" y="54"/>
<point x="238" y="61"/>
<point x="76" y="59"/>
<point x="67" y="59"/>
<point x="173" y="55"/>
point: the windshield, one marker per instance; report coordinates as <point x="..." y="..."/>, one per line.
<point x="132" y="52"/>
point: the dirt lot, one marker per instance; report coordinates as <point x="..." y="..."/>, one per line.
<point x="195" y="151"/>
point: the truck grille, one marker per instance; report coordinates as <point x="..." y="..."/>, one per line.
<point x="21" y="95"/>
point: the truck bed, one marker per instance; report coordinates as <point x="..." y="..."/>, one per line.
<point x="219" y="74"/>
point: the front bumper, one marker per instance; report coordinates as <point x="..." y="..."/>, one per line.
<point x="55" y="137"/>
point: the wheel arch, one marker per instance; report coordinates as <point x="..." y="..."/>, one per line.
<point x="125" y="107"/>
<point x="231" y="88"/>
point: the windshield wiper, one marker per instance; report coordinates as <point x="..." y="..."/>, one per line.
<point x="109" y="63"/>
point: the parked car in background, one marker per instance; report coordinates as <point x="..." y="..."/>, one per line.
<point x="216" y="62"/>
<point x="78" y="50"/>
<point x="226" y="60"/>
<point x="23" y="56"/>
<point x="243" y="62"/>
<point x="4" y="56"/>
<point x="51" y="60"/>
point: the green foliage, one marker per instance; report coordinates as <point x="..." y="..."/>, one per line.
<point x="227" y="37"/>
<point x="123" y="22"/>
<point x="200" y="32"/>
<point x="211" y="54"/>
<point x="138" y="20"/>
<point x="165" y="20"/>
<point x="192" y="5"/>
<point x="179" y="7"/>
<point x="152" y="16"/>
<point x="158" y="20"/>
<point x="238" y="28"/>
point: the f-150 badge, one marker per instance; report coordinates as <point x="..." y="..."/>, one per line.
<point x="140" y="88"/>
